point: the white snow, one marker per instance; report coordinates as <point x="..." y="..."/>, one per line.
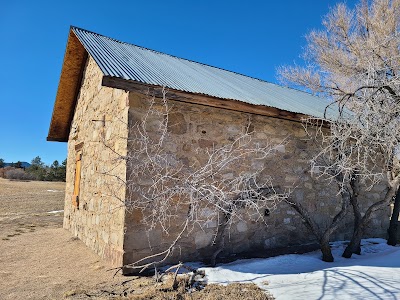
<point x="55" y="211"/>
<point x="373" y="275"/>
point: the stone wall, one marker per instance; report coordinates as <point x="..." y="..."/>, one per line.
<point x="195" y="127"/>
<point x="99" y="128"/>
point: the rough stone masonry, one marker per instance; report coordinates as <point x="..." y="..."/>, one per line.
<point x="100" y="130"/>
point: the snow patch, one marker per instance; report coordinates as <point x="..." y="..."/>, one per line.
<point x="373" y="275"/>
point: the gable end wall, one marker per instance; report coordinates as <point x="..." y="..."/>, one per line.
<point x="99" y="123"/>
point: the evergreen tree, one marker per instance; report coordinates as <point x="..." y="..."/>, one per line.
<point x="37" y="168"/>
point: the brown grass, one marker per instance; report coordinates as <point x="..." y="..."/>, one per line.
<point x="144" y="288"/>
<point x="241" y="291"/>
<point x="19" y="197"/>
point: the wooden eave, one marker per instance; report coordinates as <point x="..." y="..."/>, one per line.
<point x="187" y="97"/>
<point x="68" y="89"/>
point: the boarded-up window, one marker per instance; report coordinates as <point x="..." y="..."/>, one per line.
<point x="77" y="183"/>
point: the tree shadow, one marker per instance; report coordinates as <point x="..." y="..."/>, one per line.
<point x="354" y="284"/>
<point x="356" y="278"/>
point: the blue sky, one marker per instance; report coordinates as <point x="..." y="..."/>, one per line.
<point x="249" y="37"/>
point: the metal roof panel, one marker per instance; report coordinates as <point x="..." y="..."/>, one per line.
<point x="131" y="62"/>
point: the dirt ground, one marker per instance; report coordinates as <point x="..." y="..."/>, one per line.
<point x="41" y="260"/>
<point x="38" y="258"/>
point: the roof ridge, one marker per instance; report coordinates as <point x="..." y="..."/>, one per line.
<point x="193" y="61"/>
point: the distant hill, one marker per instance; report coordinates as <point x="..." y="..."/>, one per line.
<point x="23" y="163"/>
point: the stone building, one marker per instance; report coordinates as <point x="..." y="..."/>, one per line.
<point x="105" y="84"/>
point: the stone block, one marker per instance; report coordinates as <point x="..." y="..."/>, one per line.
<point x="177" y="123"/>
<point x="241" y="226"/>
<point x="203" y="143"/>
<point x="203" y="239"/>
<point x="280" y="148"/>
<point x="141" y="239"/>
<point x="270" y="242"/>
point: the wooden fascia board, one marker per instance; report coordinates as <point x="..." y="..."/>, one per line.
<point x="131" y="85"/>
<point x="68" y="89"/>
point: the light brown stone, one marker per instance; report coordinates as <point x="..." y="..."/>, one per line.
<point x="177" y="123"/>
<point x="203" y="143"/>
<point x="88" y="222"/>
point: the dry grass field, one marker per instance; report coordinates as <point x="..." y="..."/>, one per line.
<point x="26" y="205"/>
<point x="40" y="260"/>
<point x="18" y="197"/>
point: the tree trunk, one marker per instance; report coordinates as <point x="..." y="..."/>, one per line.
<point x="354" y="244"/>
<point x="356" y="210"/>
<point x="392" y="231"/>
<point x="326" y="249"/>
<point x="357" y="220"/>
<point x="219" y="241"/>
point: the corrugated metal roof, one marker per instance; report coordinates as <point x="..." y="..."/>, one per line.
<point x="131" y="62"/>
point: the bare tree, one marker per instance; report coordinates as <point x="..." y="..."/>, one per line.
<point x="354" y="62"/>
<point x="323" y="235"/>
<point x="168" y="191"/>
<point x="321" y="169"/>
